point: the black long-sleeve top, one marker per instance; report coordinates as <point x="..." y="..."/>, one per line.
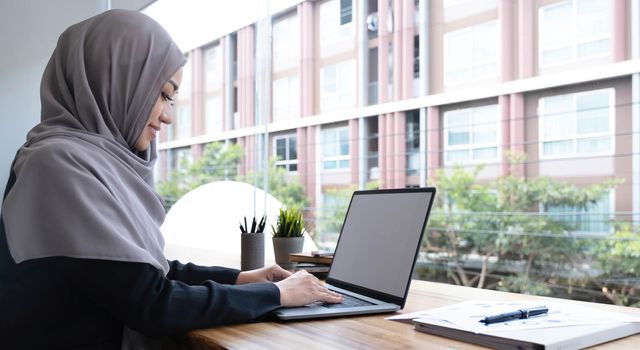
<point x="61" y="302"/>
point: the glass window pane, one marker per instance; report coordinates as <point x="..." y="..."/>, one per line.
<point x="458" y="137"/>
<point x="594" y="145"/>
<point x="487" y="153"/>
<point x="457" y="156"/>
<point x="485" y="47"/>
<point x="329" y="164"/>
<point x="557" y="148"/>
<point x="344" y="142"/>
<point x="293" y="151"/>
<point x="281" y="149"/>
<point x="592" y="113"/>
<point x="344" y="164"/>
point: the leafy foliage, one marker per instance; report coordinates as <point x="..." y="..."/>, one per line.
<point x="290" y="224"/>
<point x="491" y="235"/>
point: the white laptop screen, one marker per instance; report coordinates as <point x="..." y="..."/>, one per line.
<point x="379" y="238"/>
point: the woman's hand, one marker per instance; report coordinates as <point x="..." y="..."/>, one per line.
<point x="303" y="288"/>
<point x="273" y="273"/>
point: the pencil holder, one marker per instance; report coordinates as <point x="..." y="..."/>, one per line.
<point x="251" y="251"/>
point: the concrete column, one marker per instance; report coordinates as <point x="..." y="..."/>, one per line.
<point x="526" y="54"/>
<point x="504" y="107"/>
<point x="391" y="152"/>
<point x="635" y="109"/>
<point x="301" y="149"/>
<point x="400" y="148"/>
<point x="506" y="20"/>
<point x="517" y="131"/>
<point x="312" y="175"/>
<point x="354" y="151"/>
<point x="434" y="135"/>
<point x="382" y="150"/>
<point x="619" y="30"/>
<point x="383" y="52"/>
<point x="424" y="84"/>
<point x="250" y="119"/>
<point x="227" y="93"/>
<point x="398" y="50"/>
<point x="363" y="94"/>
<point x="306" y="66"/>
<point x="408" y="32"/>
<point x="197" y="98"/>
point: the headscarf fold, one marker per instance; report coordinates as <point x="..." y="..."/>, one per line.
<point x="81" y="189"/>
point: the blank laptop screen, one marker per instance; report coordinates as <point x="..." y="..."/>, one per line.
<point x="379" y="238"/>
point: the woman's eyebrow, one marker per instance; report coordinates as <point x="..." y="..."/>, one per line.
<point x="173" y="83"/>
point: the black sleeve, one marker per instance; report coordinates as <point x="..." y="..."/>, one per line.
<point x="145" y="300"/>
<point x="195" y="274"/>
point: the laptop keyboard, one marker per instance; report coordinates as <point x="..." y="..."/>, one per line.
<point x="348" y="301"/>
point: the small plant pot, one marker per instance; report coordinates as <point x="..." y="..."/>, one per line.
<point x="251" y="251"/>
<point x="283" y="246"/>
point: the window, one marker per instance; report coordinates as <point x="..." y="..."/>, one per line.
<point x="413" y="142"/>
<point x="335" y="36"/>
<point x="286" y="43"/>
<point x="596" y="218"/>
<point x="577" y="124"/>
<point x="179" y="159"/>
<point x="574" y="30"/>
<point x="335" y="147"/>
<point x="345" y="11"/>
<point x="471" y="135"/>
<point x="337" y="86"/>
<point x="183" y="122"/>
<point x="471" y="53"/>
<point x="285" y="150"/>
<point x="213" y="115"/>
<point x="213" y="68"/>
<point x="286" y="98"/>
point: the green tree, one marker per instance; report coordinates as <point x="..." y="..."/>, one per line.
<point x="283" y="186"/>
<point x="618" y="264"/>
<point x="219" y="161"/>
<point x="498" y="224"/>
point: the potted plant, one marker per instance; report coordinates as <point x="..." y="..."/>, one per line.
<point x="288" y="235"/>
<point x="252" y="244"/>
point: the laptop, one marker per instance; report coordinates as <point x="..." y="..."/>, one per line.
<point x="375" y="254"/>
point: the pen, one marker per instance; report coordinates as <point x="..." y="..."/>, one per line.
<point x="515" y="315"/>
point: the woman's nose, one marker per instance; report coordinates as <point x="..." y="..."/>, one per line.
<point x="166" y="116"/>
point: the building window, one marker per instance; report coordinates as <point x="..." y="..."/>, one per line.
<point x="471" y="53"/>
<point x="471" y="135"/>
<point x="213" y="68"/>
<point x="577" y="124"/>
<point x="334" y="35"/>
<point x="213" y="115"/>
<point x="286" y="98"/>
<point x="337" y="86"/>
<point x="179" y="159"/>
<point x="413" y="142"/>
<point x="595" y="218"/>
<point x="335" y="146"/>
<point x="345" y="11"/>
<point x="286" y="152"/>
<point x="183" y="122"/>
<point x="286" y="43"/>
<point x="574" y="30"/>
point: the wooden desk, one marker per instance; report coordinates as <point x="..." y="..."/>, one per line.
<point x="371" y="332"/>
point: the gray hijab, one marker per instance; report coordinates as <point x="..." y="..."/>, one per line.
<point x="81" y="189"/>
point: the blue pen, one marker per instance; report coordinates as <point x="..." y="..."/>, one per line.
<point x="516" y="315"/>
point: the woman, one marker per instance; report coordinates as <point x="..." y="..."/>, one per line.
<point x="81" y="254"/>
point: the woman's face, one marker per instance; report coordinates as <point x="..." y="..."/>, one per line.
<point x="162" y="112"/>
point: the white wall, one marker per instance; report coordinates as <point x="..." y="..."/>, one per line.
<point x="29" y="30"/>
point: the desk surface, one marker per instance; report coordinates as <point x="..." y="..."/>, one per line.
<point x="367" y="332"/>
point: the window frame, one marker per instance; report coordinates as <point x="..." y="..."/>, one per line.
<point x="473" y="64"/>
<point x="575" y="40"/>
<point x="470" y="146"/>
<point x="287" y="161"/>
<point x="574" y="137"/>
<point x="338" y="157"/>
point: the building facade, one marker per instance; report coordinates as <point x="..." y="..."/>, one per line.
<point x="345" y="92"/>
